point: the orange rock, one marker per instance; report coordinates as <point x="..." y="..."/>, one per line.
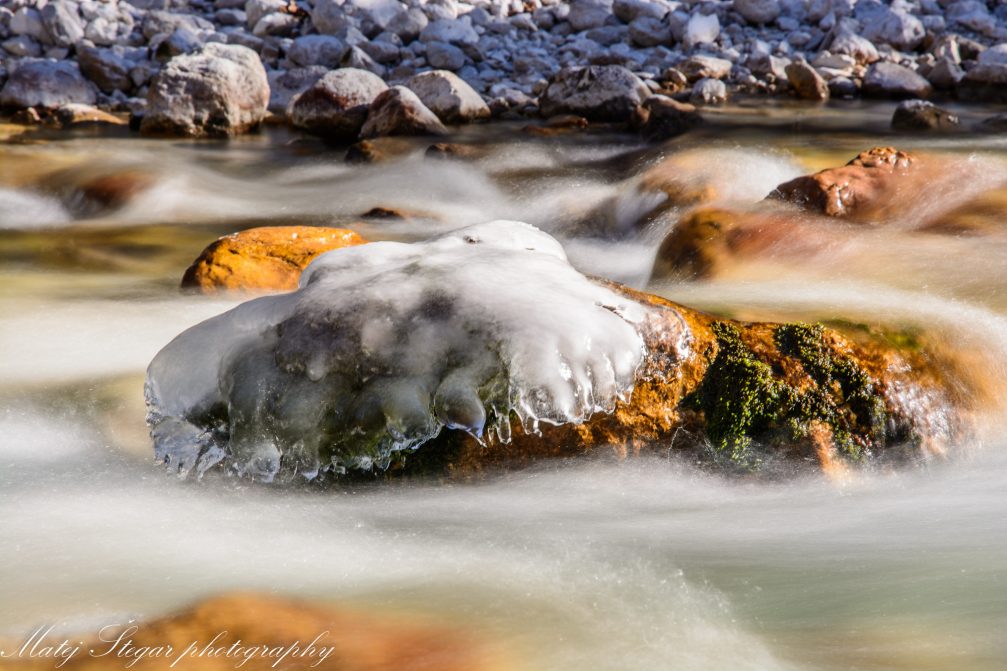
<point x="919" y="389"/>
<point x="707" y="240"/>
<point x="879" y="181"/>
<point x="355" y="640"/>
<point x="270" y="258"/>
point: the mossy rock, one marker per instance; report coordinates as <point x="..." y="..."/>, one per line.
<point x="762" y="399"/>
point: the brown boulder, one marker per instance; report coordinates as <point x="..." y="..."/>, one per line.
<point x="749" y="397"/>
<point x="807" y="83"/>
<point x="270" y="258"/>
<point x="345" y="639"/>
<point x="875" y="182"/>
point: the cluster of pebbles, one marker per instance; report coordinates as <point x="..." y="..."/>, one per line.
<point x="601" y="59"/>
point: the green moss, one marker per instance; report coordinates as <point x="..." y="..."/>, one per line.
<point x="746" y="405"/>
<point x="739" y="396"/>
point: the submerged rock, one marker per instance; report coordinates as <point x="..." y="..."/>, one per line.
<point x="269" y="258"/>
<point x="915" y="115"/>
<point x="667" y="118"/>
<point x="221" y="90"/>
<point x="256" y="631"/>
<point x="485" y="349"/>
<point x="860" y="189"/>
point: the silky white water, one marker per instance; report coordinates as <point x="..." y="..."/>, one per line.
<point x="586" y="565"/>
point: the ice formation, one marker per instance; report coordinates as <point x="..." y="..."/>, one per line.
<point x="384" y="345"/>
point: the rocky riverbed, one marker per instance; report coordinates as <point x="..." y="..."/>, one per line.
<point x="223" y="67"/>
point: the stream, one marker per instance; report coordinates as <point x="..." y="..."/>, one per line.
<point x="589" y="565"/>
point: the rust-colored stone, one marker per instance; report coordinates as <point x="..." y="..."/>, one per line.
<point x="270" y="258"/>
<point x="359" y="641"/>
<point x="921" y="391"/>
<point x="876" y="182"/>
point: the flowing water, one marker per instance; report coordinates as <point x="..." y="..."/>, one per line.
<point x="587" y="565"/>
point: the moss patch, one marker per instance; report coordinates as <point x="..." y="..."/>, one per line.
<point x="748" y="405"/>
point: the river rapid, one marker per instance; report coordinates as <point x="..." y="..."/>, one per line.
<point x="590" y="565"/>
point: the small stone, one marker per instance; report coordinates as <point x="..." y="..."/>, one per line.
<point x="701" y="29"/>
<point x="76" y="114"/>
<point x="668" y="118"/>
<point x="398" y="111"/>
<point x="807" y="83"/>
<point x="890" y="80"/>
<point x="336" y="105"/>
<point x="408" y="24"/>
<point x="630" y="10"/>
<point x="984" y="83"/>
<point x="758" y="11"/>
<point x="917" y="115"/>
<point x="62" y="22"/>
<point x="277" y="24"/>
<point x="458" y="32"/>
<point x="324" y="50"/>
<point x="945" y="74"/>
<point x="705" y="67"/>
<point x="445" y="56"/>
<point x="448" y="96"/>
<point x="260" y="259"/>
<point x="646" y="31"/>
<point x="107" y="68"/>
<point x="46" y="84"/>
<point x="28" y="21"/>
<point x="708" y="92"/>
<point x="588" y="14"/>
<point x="596" y="92"/>
<point x="22" y="46"/>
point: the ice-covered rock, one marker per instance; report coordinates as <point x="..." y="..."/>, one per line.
<point x="387" y="344"/>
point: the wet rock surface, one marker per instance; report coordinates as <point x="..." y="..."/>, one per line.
<point x="862" y="188"/>
<point x="263" y="259"/>
<point x="744" y="397"/>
